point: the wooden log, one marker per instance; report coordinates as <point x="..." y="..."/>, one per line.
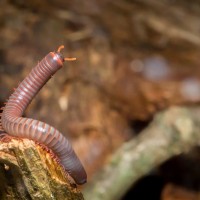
<point x="28" y="171"/>
<point x="171" y="133"/>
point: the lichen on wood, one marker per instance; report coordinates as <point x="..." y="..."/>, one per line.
<point x="28" y="171"/>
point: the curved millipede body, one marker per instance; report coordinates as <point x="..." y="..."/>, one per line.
<point x="16" y="125"/>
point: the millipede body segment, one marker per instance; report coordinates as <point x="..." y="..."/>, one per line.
<point x="14" y="124"/>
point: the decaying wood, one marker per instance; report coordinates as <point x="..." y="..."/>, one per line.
<point x="172" y="132"/>
<point x="27" y="171"/>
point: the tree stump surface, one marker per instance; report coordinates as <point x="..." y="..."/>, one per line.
<point x="27" y="171"/>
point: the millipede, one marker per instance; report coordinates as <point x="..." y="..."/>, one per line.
<point x="15" y="125"/>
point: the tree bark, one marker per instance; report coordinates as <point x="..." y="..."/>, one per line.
<point x="28" y="171"/>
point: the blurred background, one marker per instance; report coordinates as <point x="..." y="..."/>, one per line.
<point x="135" y="58"/>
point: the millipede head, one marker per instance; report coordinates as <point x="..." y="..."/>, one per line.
<point x="65" y="59"/>
<point x="56" y="58"/>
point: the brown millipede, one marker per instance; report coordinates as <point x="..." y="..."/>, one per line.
<point x="15" y="125"/>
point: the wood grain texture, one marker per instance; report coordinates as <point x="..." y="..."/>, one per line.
<point x="27" y="171"/>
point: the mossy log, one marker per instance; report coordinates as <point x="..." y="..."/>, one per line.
<point x="171" y="133"/>
<point x="28" y="171"/>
